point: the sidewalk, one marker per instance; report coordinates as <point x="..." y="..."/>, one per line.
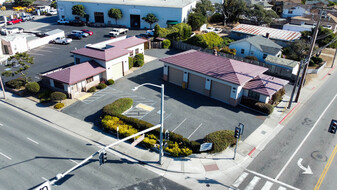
<point x="198" y="171"/>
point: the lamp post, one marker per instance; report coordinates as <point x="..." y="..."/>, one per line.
<point x="161" y="117"/>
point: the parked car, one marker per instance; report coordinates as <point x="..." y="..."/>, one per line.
<point x="77" y="23"/>
<point x="150" y="32"/>
<point x="14" y="21"/>
<point x="117" y="31"/>
<point x="61" y="40"/>
<point x="217" y="30"/>
<point x="27" y="18"/>
<point x="63" y="21"/>
<point x="144" y="36"/>
<point x="52" y="13"/>
<point x="80" y="33"/>
<point x="209" y="29"/>
<point x="3" y="24"/>
<point x="75" y="36"/>
<point x="40" y="34"/>
<point x="88" y="32"/>
<point x="9" y="31"/>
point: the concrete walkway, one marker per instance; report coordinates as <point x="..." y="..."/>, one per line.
<point x="198" y="171"/>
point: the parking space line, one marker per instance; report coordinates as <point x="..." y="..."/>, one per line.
<point x="4" y="155"/>
<point x="179" y="125"/>
<point x="44" y="178"/>
<point x="167" y="116"/>
<point x="73" y="161"/>
<point x="32" y="140"/>
<point x="194" y="131"/>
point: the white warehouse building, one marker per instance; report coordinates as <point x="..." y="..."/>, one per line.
<point x="169" y="12"/>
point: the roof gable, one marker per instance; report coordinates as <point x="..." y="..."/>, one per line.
<point x="218" y="67"/>
<point x="261" y="43"/>
<point x="265" y="84"/>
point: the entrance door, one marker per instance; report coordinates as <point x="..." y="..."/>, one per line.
<point x="135" y="21"/>
<point x="99" y="17"/>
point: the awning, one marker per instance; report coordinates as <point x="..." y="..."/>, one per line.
<point x="171" y="22"/>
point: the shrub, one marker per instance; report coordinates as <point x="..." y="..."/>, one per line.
<point x="58" y="96"/>
<point x="173" y="149"/>
<point x="217" y="17"/>
<point x="117" y="107"/>
<point x="227" y="41"/>
<point x="130" y="62"/>
<point x="101" y="86"/>
<point x="220" y="139"/>
<point x="59" y="105"/>
<point x="16" y="83"/>
<point x="315" y="61"/>
<point x="251" y="58"/>
<point x="92" y="89"/>
<point x="138" y="60"/>
<point x="44" y="96"/>
<point x="110" y="82"/>
<point x="228" y="51"/>
<point x="259" y="106"/>
<point x="277" y="97"/>
<point x="148" y="142"/>
<point x="33" y="87"/>
<point x="166" y="44"/>
<point x="195" y="146"/>
<point x="209" y="40"/>
<point x="197" y="40"/>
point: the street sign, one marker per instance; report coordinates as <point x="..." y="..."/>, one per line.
<point x="205" y="146"/>
<point x="242" y="126"/>
<point x="44" y="186"/>
<point x="137" y="141"/>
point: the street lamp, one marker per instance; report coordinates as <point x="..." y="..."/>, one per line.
<point x="161" y="116"/>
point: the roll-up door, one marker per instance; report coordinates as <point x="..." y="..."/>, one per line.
<point x="117" y="71"/>
<point x="220" y="91"/>
<point x="196" y="83"/>
<point x="175" y="76"/>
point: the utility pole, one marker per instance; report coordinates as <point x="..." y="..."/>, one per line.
<point x="334" y="58"/>
<point x="2" y="87"/>
<point x="295" y="84"/>
<point x="306" y="62"/>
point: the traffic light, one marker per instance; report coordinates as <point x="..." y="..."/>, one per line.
<point x="333" y="126"/>
<point x="103" y="158"/>
<point x="237" y="132"/>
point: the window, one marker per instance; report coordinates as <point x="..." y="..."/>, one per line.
<point x="131" y="54"/>
<point x="242" y="51"/>
<point x="90" y="79"/>
<point x="264" y="56"/>
<point x="290" y="12"/>
<point x="136" y="51"/>
<point x="58" y="84"/>
<point x="77" y="60"/>
<point x="253" y="95"/>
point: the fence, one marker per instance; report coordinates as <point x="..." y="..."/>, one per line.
<point x="277" y="71"/>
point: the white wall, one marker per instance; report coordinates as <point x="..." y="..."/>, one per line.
<point x="298" y="11"/>
<point x="264" y="98"/>
<point x="43" y="41"/>
<point x="296" y="28"/>
<point x="162" y="13"/>
<point x="124" y="58"/>
<point x="140" y="48"/>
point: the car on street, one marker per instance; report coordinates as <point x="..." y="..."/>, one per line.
<point x="77" y="23"/>
<point x="63" y="21"/>
<point x="61" y="40"/>
<point x="14" y="21"/>
<point x="75" y="36"/>
<point x="88" y="32"/>
<point x="80" y="33"/>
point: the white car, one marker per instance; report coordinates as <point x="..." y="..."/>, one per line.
<point x="217" y="30"/>
<point x="209" y="29"/>
<point x="62" y="40"/>
<point x="63" y="21"/>
<point x="80" y="33"/>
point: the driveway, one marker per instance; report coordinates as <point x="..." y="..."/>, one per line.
<point x="187" y="113"/>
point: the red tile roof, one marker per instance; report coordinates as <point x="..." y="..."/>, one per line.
<point x="118" y="49"/>
<point x="128" y="42"/>
<point x="76" y="73"/>
<point x="265" y="84"/>
<point x="222" y="68"/>
<point x="277" y="34"/>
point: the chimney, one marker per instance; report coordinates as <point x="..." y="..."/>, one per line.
<point x="267" y="35"/>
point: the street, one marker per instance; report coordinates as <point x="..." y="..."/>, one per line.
<point x="32" y="152"/>
<point x="303" y="142"/>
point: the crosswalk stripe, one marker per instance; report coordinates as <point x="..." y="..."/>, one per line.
<point x="267" y="185"/>
<point x="252" y="183"/>
<point x="281" y="188"/>
<point x="240" y="179"/>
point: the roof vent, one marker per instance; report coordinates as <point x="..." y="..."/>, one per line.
<point x="267" y="35"/>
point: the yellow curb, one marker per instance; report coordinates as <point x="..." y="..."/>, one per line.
<point x="145" y="107"/>
<point x="85" y="96"/>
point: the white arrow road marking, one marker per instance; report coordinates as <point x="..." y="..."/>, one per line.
<point x="9" y="158"/>
<point x="306" y="170"/>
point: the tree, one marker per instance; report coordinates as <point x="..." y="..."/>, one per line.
<point x="23" y="3"/>
<point x="18" y="64"/>
<point x="203" y="7"/>
<point x="156" y="31"/>
<point x="232" y="9"/>
<point x="324" y="37"/>
<point x="115" y="14"/>
<point x="297" y="50"/>
<point x="78" y="10"/>
<point x="260" y="15"/>
<point x="151" y="19"/>
<point x="195" y="20"/>
<point x="53" y="4"/>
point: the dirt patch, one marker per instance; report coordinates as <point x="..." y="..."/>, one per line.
<point x="309" y="78"/>
<point x="327" y="55"/>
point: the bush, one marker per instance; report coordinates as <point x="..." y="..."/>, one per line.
<point x="138" y="60"/>
<point x="92" y="89"/>
<point x="16" y="83"/>
<point x="195" y="146"/>
<point x="110" y="82"/>
<point x="181" y="31"/>
<point x="227" y="41"/>
<point x="101" y="86"/>
<point x="58" y="96"/>
<point x="130" y="62"/>
<point x="59" y="105"/>
<point x="277" y="97"/>
<point x="33" y="87"/>
<point x="228" y="51"/>
<point x="217" y="17"/>
<point x="209" y="40"/>
<point x="166" y="44"/>
<point x="251" y="58"/>
<point x="221" y="140"/>
<point x="259" y="106"/>
<point x="117" y="107"/>
<point x="44" y="96"/>
<point x="314" y="61"/>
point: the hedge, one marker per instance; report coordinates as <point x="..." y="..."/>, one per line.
<point x="44" y="96"/>
<point x="92" y="89"/>
<point x="130" y="62"/>
<point x="259" y="106"/>
<point x="221" y="140"/>
<point x="33" y="87"/>
<point x="16" y="83"/>
<point x="59" y="105"/>
<point x="117" y="107"/>
<point x="101" y="86"/>
<point x="110" y="82"/>
<point x="58" y="96"/>
<point x="138" y="60"/>
<point x="166" y="44"/>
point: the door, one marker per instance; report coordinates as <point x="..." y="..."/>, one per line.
<point x="220" y="91"/>
<point x="99" y="17"/>
<point x="196" y="83"/>
<point x="175" y="76"/>
<point x="135" y="21"/>
<point x="117" y="71"/>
